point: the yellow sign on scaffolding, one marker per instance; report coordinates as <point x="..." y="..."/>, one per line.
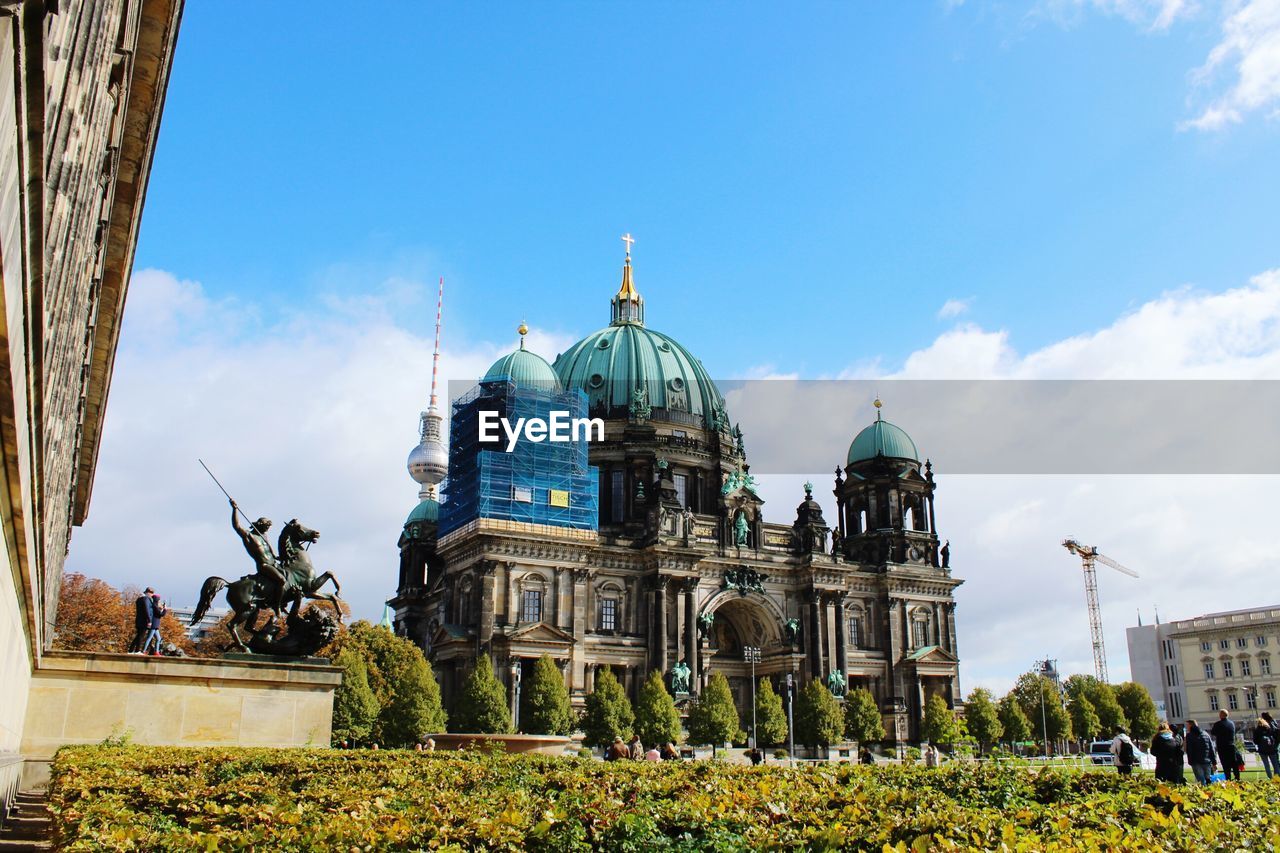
<point x="559" y="497"/>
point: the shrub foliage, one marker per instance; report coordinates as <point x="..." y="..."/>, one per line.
<point x="544" y="701"/>
<point x="657" y="720"/>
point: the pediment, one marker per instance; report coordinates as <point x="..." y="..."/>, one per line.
<point x="541" y="632"/>
<point x="932" y="654"/>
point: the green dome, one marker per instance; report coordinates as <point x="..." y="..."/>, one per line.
<point x="882" y="439"/>
<point x="610" y="364"/>
<point x="428" y="509"/>
<point x="525" y="369"/>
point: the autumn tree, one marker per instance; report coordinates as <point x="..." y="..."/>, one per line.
<point x="940" y="724"/>
<point x="982" y="718"/>
<point x="544" y="701"/>
<point x="819" y="717"/>
<point x="657" y="720"/>
<point x="355" y="706"/>
<point x="401" y="680"/>
<point x="1139" y="710"/>
<point x="1084" y="719"/>
<point x="1042" y="705"/>
<point x="1017" y="728"/>
<point x="713" y="718"/>
<point x="608" y="713"/>
<point x="1102" y="696"/>
<point x="863" y="722"/>
<point x="91" y="617"/>
<point x="771" y="719"/>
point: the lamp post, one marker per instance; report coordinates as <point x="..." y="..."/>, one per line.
<point x="751" y="654"/>
<point x="791" y="728"/>
<point x="1046" y="668"/>
<point x="515" y="693"/>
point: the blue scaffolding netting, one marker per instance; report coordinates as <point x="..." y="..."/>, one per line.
<point x="547" y="482"/>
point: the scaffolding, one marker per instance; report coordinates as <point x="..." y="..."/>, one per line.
<point x="544" y="483"/>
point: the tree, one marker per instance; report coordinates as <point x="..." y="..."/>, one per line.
<point x="1042" y="705"/>
<point x="482" y="705"/>
<point x="771" y="719"/>
<point x="1139" y="710"/>
<point x="1084" y="719"/>
<point x="91" y="616"/>
<point x="819" y="717"/>
<point x="355" y="706"/>
<point x="1017" y="728"/>
<point x="657" y="720"/>
<point x="544" y="701"/>
<point x="982" y="718"/>
<point x="401" y="680"/>
<point x="713" y="719"/>
<point x="940" y="724"/>
<point x="862" y="719"/>
<point x="1102" y="696"/>
<point x="608" y="713"/>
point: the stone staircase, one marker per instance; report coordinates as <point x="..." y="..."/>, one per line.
<point x="28" y="826"/>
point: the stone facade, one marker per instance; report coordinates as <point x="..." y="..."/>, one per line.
<point x="81" y="90"/>
<point x="684" y="568"/>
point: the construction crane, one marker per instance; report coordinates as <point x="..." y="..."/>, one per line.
<point x="1089" y="555"/>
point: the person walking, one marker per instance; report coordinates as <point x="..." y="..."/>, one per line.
<point x="1266" y="736"/>
<point x="1199" y="747"/>
<point x="1224" y="737"/>
<point x="142" y="610"/>
<point x="1125" y="755"/>
<point x="158" y="610"/>
<point x="1167" y="749"/>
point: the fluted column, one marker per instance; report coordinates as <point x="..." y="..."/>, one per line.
<point x="691" y="631"/>
<point x="660" y="620"/>
<point x="842" y="644"/>
<point x="815" y="635"/>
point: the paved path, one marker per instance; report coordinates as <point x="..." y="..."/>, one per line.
<point x="29" y="827"/>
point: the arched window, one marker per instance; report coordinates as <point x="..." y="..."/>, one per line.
<point x="532" y="589"/>
<point x="464" y="602"/>
<point x="610" y="597"/>
<point x="855" y="628"/>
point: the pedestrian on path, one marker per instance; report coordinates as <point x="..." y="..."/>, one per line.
<point x="1167" y="749"/>
<point x="1200" y="756"/>
<point x="1224" y="737"/>
<point x="158" y="610"/>
<point x="1266" y="736"/>
<point x="142" y="612"/>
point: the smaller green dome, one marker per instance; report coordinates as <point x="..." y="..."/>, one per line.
<point x="428" y="509"/>
<point x="525" y="369"/>
<point x="882" y="439"/>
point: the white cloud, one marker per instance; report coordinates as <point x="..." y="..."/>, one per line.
<point x="954" y="308"/>
<point x="1249" y="54"/>
<point x="1149" y="14"/>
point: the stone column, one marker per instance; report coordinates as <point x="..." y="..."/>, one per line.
<point x="815" y="635"/>
<point x="842" y="645"/>
<point x="691" y="630"/>
<point x="559" y="594"/>
<point x="488" y="602"/>
<point x="511" y="610"/>
<point x="660" y="623"/>
<point x="937" y="627"/>
<point x="950" y="608"/>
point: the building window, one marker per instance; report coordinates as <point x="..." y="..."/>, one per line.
<point x="1260" y="640"/>
<point x="682" y="488"/>
<point x="1245" y="669"/>
<point x="1224" y="644"/>
<point x="1264" y="666"/>
<point x="1208" y="671"/>
<point x="1232" y="702"/>
<point x="1206" y="646"/>
<point x="617" y="496"/>
<point x="1168" y="649"/>
<point x="1213" y="701"/>
<point x="1271" y="698"/>
<point x="608" y="614"/>
<point x="921" y="633"/>
<point x="1228" y="671"/>
<point x="1176" y="702"/>
<point x="1242" y="643"/>
<point x="531" y="606"/>
<point x="1171" y="675"/>
<point x="855" y="632"/>
<point x="1251" y="700"/>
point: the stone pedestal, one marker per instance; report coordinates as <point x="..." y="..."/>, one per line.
<point x="85" y="697"/>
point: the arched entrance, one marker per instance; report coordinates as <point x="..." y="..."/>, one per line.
<point x="741" y="621"/>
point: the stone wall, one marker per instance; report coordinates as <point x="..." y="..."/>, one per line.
<point x="85" y="697"/>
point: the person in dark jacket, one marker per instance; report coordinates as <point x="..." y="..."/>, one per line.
<point x="1200" y="756"/>
<point x="143" y="610"/>
<point x="158" y="610"/>
<point x="1224" y="737"/>
<point x="1167" y="749"/>
<point x="1266" y="735"/>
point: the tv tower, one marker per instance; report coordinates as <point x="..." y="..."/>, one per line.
<point x="429" y="462"/>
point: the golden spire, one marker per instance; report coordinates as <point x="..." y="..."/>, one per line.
<point x="628" y="290"/>
<point x="627" y="304"/>
<point x="523" y="329"/>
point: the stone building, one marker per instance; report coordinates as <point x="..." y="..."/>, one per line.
<point x="82" y="86"/>
<point x="681" y="569"/>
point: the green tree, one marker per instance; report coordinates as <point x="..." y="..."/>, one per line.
<point x="982" y="718"/>
<point x="713" y="719"/>
<point x="482" y="705"/>
<point x="355" y="706"/>
<point x="771" y="719"/>
<point x="544" y="701"/>
<point x="401" y="680"/>
<point x="1017" y="728"/>
<point x="608" y="713"/>
<point x="862" y="719"/>
<point x="657" y="720"/>
<point x="1139" y="710"/>
<point x="1042" y="705"/>
<point x="1102" y="696"/>
<point x="819" y="717"/>
<point x="1084" y="719"/>
<point x="940" y="724"/>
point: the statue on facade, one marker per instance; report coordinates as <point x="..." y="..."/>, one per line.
<point x="837" y="543"/>
<point x="737" y="439"/>
<point x="705" y="622"/>
<point x="687" y="516"/>
<point x="836" y="683"/>
<point x="719" y="418"/>
<point x="289" y="577"/>
<point x="740" y="528"/>
<point x="731" y="482"/>
<point x="946" y="554"/>
<point x="744" y="580"/>
<point x="679" y="678"/>
<point x="640" y="409"/>
<point x="791" y="630"/>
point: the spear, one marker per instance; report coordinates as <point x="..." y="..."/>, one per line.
<point x="224" y="491"/>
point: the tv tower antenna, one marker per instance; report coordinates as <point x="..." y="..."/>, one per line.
<point x="429" y="462"/>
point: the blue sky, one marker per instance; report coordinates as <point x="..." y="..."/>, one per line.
<point x="821" y="178"/>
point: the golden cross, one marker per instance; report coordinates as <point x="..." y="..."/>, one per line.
<point x="628" y="239"/>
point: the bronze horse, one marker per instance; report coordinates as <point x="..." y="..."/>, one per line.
<point x="251" y="594"/>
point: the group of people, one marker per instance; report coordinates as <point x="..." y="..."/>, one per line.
<point x="1174" y="747"/>
<point x="635" y="750"/>
<point x="149" y="610"/>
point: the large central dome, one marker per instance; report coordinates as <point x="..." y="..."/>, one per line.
<point x="611" y="364"/>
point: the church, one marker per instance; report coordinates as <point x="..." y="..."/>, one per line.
<point x="648" y="550"/>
